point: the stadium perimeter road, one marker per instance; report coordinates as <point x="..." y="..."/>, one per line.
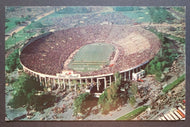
<point x="113" y="115"/>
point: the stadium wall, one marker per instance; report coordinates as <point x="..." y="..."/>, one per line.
<point x="54" y="81"/>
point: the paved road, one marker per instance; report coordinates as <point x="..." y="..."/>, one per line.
<point x="19" y="28"/>
<point x="112" y="115"/>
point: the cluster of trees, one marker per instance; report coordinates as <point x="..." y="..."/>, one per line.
<point x="29" y="9"/>
<point x="84" y="104"/>
<point x="12" y="61"/>
<point x="180" y="9"/>
<point x="181" y="40"/>
<point x="38" y="25"/>
<point x="11" y="23"/>
<point x="11" y="9"/>
<point x="7" y="20"/>
<point x="132" y="91"/>
<point x="163" y="60"/>
<point x="80" y="103"/>
<point x="28" y="17"/>
<point x="110" y="98"/>
<point x="25" y="94"/>
<point x="127" y="8"/>
<point x="22" y="20"/>
<point x="18" y="22"/>
<point x="160" y="15"/>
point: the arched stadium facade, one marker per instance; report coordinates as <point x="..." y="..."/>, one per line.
<point x="47" y="56"/>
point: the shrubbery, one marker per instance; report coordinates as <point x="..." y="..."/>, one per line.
<point x="12" y="62"/>
<point x="127" y="8"/>
<point x="10" y="9"/>
<point x="160" y="15"/>
<point x="110" y="98"/>
<point x="38" y="25"/>
<point x="29" y="9"/>
<point x="132" y="91"/>
<point x="25" y="94"/>
<point x="164" y="58"/>
<point x="180" y="9"/>
<point x="182" y="40"/>
<point x="80" y="103"/>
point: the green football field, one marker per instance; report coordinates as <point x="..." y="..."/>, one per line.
<point x="92" y="57"/>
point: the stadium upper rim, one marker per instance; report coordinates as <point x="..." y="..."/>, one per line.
<point x="47" y="54"/>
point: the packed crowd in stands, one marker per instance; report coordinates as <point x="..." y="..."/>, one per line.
<point x="48" y="54"/>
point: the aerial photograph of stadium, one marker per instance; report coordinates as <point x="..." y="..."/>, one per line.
<point x="117" y="63"/>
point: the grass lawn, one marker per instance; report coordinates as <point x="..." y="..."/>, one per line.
<point x="11" y="23"/>
<point x="20" y="36"/>
<point x="174" y="84"/>
<point x="92" y="57"/>
<point x="133" y="113"/>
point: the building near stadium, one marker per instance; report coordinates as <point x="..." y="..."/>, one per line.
<point x="89" y="54"/>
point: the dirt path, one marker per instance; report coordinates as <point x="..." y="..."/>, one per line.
<point x="44" y="15"/>
<point x="19" y="28"/>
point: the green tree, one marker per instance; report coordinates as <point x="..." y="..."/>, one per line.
<point x="29" y="9"/>
<point x="38" y="25"/>
<point x="117" y="77"/>
<point x="12" y="61"/>
<point x="10" y="9"/>
<point x="17" y="22"/>
<point x="109" y="99"/>
<point x="80" y="103"/>
<point x="25" y="94"/>
<point x="132" y="100"/>
<point x="132" y="91"/>
<point x="164" y="58"/>
<point x="28" y="17"/>
<point x="159" y="66"/>
<point x="160" y="14"/>
<point x="103" y="102"/>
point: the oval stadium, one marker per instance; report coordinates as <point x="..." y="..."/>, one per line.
<point x="89" y="54"/>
